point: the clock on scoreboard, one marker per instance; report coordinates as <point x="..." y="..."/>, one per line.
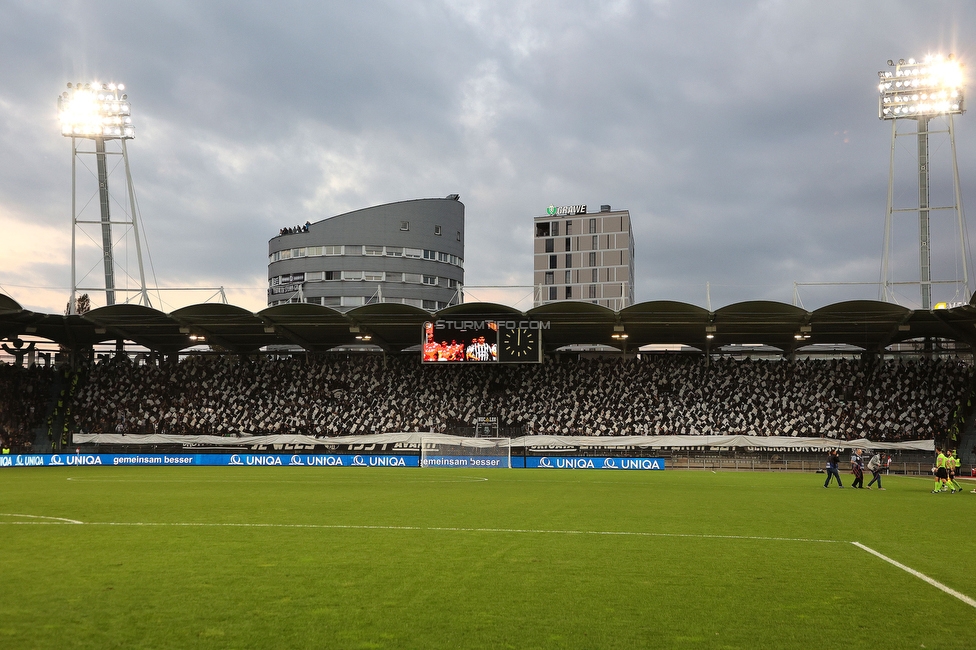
<point x="519" y="345"/>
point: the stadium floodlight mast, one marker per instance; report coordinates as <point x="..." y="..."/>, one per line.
<point x="920" y="91"/>
<point x="100" y="112"/>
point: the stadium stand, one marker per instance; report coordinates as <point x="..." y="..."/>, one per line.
<point x="890" y="400"/>
<point x="24" y="397"/>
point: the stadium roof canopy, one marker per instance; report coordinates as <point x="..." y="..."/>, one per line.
<point x="866" y="324"/>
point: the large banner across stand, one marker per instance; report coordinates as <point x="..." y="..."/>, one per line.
<point x="325" y="460"/>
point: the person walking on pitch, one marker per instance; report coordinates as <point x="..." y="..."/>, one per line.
<point x="876" y="466"/>
<point x="941" y="474"/>
<point x="833" y="459"/>
<point x="857" y="468"/>
<point x="951" y="473"/>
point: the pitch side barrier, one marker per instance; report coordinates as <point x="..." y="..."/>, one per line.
<point x="327" y="460"/>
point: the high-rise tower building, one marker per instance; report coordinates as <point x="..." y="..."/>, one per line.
<point x="583" y="256"/>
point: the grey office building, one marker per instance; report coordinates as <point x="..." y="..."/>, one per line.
<point x="584" y="256"/>
<point x="409" y="252"/>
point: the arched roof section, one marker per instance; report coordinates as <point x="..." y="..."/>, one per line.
<point x="869" y="324"/>
<point x="393" y="326"/>
<point x="313" y="327"/>
<point x="571" y="322"/>
<point x="144" y="325"/>
<point x="960" y="321"/>
<point x="8" y="304"/>
<point x="939" y="323"/>
<point x="70" y="331"/>
<point x="758" y="321"/>
<point x="664" y="321"/>
<point x="10" y="317"/>
<point x="224" y="326"/>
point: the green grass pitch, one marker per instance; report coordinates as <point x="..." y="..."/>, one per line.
<point x="288" y="557"/>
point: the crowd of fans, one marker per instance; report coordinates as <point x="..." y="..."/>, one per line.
<point x="653" y="395"/>
<point x="24" y="398"/>
<point x="295" y="230"/>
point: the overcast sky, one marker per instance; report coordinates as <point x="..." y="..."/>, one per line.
<point x="742" y="136"/>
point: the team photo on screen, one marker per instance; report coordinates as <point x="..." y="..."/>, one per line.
<point x="477" y="345"/>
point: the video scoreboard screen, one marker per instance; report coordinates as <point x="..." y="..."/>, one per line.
<point x="482" y="341"/>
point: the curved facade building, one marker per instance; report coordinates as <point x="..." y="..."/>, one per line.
<point x="409" y="252"/>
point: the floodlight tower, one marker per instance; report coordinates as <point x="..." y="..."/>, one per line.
<point x="919" y="91"/>
<point x="100" y="112"/>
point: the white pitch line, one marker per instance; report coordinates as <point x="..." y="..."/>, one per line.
<point x="921" y="576"/>
<point x="54" y="520"/>
<point x="624" y="533"/>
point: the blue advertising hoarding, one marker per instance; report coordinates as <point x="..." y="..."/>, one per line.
<point x="326" y="460"/>
<point x="229" y="460"/>
<point x="587" y="462"/>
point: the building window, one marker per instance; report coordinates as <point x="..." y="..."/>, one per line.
<point x="542" y="229"/>
<point x="331" y="275"/>
<point x="569" y="226"/>
<point x="569" y="244"/>
<point x="413" y="278"/>
<point x="552" y="293"/>
<point x="459" y="235"/>
<point x="555" y="228"/>
<point x="569" y="260"/>
<point x="592" y="259"/>
<point x="352" y="275"/>
<point x="431" y="280"/>
<point x="443" y="257"/>
<point x="596" y="275"/>
<point x="437" y="230"/>
<point x="592" y="291"/>
<point x="550" y="279"/>
<point x="430" y="255"/>
<point x="314" y="251"/>
<point x="373" y="276"/>
<point x="430" y="305"/>
<point x="592" y="225"/>
<point x="452" y="283"/>
<point x="596" y="242"/>
<point x="404" y="225"/>
<point x="313" y="276"/>
<point x="372" y="300"/>
<point x="353" y="250"/>
<point x="314" y="301"/>
<point x="373" y="250"/>
<point x="332" y="301"/>
<point x="413" y="252"/>
<point x="550" y="245"/>
<point x="394" y="251"/>
<point x="332" y="250"/>
<point x="552" y="261"/>
<point x="569" y="277"/>
<point x="569" y="293"/>
<point x="352" y="301"/>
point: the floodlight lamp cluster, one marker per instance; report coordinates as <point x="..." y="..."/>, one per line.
<point x="927" y="88"/>
<point x="95" y="110"/>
